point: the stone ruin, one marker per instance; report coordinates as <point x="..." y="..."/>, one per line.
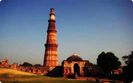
<point x="31" y="69"/>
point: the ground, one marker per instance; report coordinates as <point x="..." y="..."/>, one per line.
<point x="14" y="76"/>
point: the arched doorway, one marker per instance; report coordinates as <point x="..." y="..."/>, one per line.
<point x="76" y="69"/>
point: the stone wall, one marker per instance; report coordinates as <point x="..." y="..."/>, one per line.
<point x="33" y="69"/>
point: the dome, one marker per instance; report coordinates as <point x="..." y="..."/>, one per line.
<point x="74" y="57"/>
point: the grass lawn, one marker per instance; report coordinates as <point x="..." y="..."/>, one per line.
<point x="46" y="81"/>
<point x="14" y="76"/>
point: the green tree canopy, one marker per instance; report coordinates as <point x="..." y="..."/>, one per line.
<point x="107" y="62"/>
<point x="37" y="65"/>
<point x="128" y="58"/>
<point x="128" y="70"/>
<point x="26" y="64"/>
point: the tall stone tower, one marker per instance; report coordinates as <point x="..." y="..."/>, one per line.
<point x="51" y="53"/>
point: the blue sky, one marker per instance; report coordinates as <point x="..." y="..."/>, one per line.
<point x="85" y="27"/>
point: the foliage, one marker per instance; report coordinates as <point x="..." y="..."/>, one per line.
<point x="26" y="64"/>
<point x="37" y="65"/>
<point x="128" y="70"/>
<point x="107" y="62"/>
<point x="128" y="58"/>
<point x="90" y="70"/>
<point x="56" y="72"/>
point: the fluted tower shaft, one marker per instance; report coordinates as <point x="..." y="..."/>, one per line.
<point x="51" y="51"/>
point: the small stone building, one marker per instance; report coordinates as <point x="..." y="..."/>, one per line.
<point x="74" y="65"/>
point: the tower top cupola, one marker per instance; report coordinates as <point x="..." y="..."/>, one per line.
<point x="52" y="14"/>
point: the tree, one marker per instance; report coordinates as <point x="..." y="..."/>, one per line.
<point x="37" y="65"/>
<point x="26" y="64"/>
<point x="128" y="70"/>
<point x="128" y="58"/>
<point x="107" y="62"/>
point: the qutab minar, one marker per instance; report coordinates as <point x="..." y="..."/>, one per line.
<point x="51" y="46"/>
